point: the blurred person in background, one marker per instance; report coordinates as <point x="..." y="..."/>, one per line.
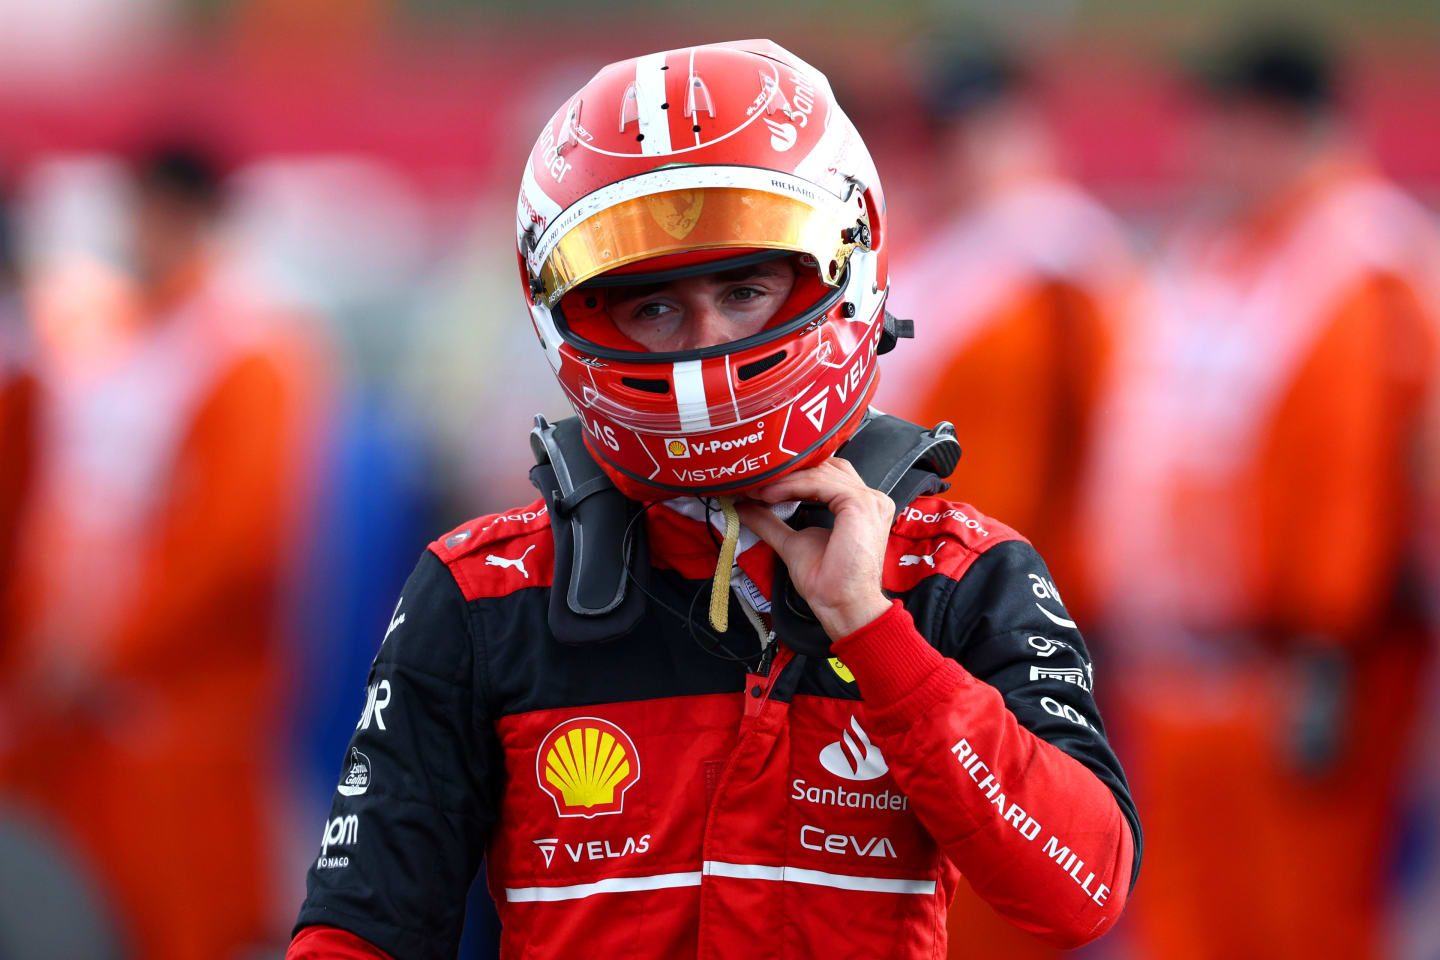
<point x="1017" y="285"/>
<point x="141" y="674"/>
<point x="1256" y="514"/>
<point x="1415" y="923"/>
<point x="17" y="398"/>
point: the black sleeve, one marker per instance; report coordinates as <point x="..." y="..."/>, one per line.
<point x="415" y="801"/>
<point x="1006" y="625"/>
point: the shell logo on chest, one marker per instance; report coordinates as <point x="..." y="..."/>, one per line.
<point x="586" y="765"/>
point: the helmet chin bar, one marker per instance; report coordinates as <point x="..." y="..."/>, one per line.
<point x="831" y="437"/>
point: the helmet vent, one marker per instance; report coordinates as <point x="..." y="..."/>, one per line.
<point x="697" y="99"/>
<point x="749" y="370"/>
<point x="648" y="385"/>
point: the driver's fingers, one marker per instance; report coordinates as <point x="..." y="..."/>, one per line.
<point x="825" y="483"/>
<point x="765" y="525"/>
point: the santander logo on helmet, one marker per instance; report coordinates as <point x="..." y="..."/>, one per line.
<point x="782" y="135"/>
<point x="685" y="162"/>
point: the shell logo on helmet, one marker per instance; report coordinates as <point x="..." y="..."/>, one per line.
<point x="673" y="175"/>
<point x="586" y="765"/>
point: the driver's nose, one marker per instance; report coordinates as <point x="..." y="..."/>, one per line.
<point x="705" y="324"/>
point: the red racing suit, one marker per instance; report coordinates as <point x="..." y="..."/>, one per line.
<point x="645" y="798"/>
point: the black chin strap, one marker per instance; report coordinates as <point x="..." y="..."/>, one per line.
<point x="590" y="602"/>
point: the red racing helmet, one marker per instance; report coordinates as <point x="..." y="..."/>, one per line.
<point x="686" y="162"/>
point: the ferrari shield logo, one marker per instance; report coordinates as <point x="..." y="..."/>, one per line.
<point x="676" y="211"/>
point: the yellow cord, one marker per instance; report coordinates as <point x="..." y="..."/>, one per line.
<point x="720" y="586"/>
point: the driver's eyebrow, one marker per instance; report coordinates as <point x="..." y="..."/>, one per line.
<point x="739" y="274"/>
<point x="753" y="272"/>
<point x="626" y="294"/>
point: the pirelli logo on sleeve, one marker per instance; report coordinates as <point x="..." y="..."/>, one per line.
<point x="1075" y="675"/>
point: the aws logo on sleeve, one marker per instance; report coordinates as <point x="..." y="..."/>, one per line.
<point x="586" y="765"/>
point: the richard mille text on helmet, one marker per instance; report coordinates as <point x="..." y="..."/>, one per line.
<point x="737" y="684"/>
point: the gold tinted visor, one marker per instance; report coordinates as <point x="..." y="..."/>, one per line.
<point x="679" y="221"/>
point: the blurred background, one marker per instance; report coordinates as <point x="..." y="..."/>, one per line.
<point x="1176" y="277"/>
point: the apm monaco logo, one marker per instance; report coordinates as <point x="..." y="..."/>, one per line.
<point x="586" y="765"/>
<point x="854" y="758"/>
<point x="340" y="832"/>
<point x="677" y="448"/>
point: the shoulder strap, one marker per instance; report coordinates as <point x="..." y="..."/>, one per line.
<point x="589" y="518"/>
<point x="896" y="457"/>
<point x="886" y="450"/>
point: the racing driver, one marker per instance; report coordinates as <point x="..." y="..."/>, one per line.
<point x="736" y="684"/>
